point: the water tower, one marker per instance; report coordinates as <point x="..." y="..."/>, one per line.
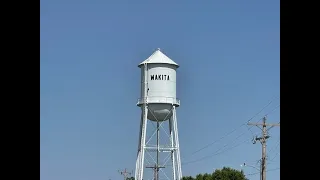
<point x="158" y="103"/>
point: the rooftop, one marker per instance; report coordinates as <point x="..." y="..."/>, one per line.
<point x="158" y="57"/>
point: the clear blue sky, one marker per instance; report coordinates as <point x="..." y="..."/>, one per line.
<point x="229" y="57"/>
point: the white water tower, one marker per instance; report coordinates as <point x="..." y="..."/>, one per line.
<point x="158" y="104"/>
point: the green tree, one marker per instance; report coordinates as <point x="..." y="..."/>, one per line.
<point x="130" y="178"/>
<point x="207" y="176"/>
<point x="188" y="178"/>
<point x="225" y="173"/>
<point x="199" y="177"/>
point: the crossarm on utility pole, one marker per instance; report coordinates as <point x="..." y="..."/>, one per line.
<point x="125" y="173"/>
<point x="156" y="169"/>
<point x="261" y="124"/>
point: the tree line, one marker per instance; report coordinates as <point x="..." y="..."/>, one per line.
<point x="226" y="173"/>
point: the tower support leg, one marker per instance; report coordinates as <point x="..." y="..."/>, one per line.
<point x="177" y="148"/>
<point x="173" y="159"/>
<point x="142" y="142"/>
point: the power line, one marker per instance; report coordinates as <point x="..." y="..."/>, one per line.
<point x="210" y="144"/>
<point x="271" y="127"/>
<point x="215" y="153"/>
<point x="275" y="147"/>
<point x="225" y="150"/>
<point x="275" y="156"/>
<point x="266" y="171"/>
<point x="265" y="116"/>
<point x="272" y="110"/>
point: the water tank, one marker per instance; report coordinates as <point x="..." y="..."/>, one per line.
<point x="158" y="86"/>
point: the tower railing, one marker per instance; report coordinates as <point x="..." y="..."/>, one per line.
<point x="159" y="99"/>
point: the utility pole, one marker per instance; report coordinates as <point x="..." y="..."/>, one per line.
<point x="156" y="169"/>
<point x="263" y="141"/>
<point x="125" y="173"/>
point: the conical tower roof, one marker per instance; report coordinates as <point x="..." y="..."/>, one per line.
<point x="158" y="58"/>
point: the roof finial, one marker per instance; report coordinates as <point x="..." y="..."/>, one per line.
<point x="158" y="49"/>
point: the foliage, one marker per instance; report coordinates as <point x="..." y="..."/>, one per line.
<point x="225" y="173"/>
